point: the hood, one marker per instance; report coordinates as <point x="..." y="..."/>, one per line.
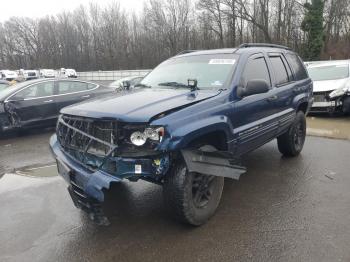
<point x="139" y="105"/>
<point x="329" y="85"/>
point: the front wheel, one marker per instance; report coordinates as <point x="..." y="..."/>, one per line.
<point x="192" y="197"/>
<point x="292" y="142"/>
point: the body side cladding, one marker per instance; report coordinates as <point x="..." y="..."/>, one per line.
<point x="217" y="163"/>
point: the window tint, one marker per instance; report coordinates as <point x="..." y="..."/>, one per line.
<point x="279" y="70"/>
<point x="298" y="67"/>
<point x="65" y="87"/>
<point x="256" y="69"/>
<point x="35" y="91"/>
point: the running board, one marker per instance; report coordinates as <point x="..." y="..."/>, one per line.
<point x="217" y="163"/>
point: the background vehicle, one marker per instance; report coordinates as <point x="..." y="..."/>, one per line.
<point x="197" y="113"/>
<point x="4" y="84"/>
<point x="133" y="80"/>
<point x="8" y="75"/>
<point x="38" y="102"/>
<point x="47" y="73"/>
<point x="67" y="72"/>
<point x="331" y="86"/>
<point x="24" y="75"/>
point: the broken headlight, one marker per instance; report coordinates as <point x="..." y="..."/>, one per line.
<point x="338" y="92"/>
<point x="139" y="138"/>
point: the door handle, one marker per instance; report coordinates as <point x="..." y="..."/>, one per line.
<point x="48" y="101"/>
<point x="86" y="96"/>
<point x="272" y="98"/>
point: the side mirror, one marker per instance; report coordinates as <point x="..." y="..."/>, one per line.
<point x="253" y="87"/>
<point x="126" y="85"/>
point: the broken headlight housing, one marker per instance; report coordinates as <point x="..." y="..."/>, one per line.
<point x="339" y="92"/>
<point x="155" y="134"/>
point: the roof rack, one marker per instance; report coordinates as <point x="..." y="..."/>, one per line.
<point x="186" y="52"/>
<point x="245" y="45"/>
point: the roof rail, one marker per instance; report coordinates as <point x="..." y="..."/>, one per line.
<point x="245" y="45"/>
<point x="186" y="52"/>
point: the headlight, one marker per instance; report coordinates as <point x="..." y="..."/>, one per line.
<point x="338" y="92"/>
<point x="139" y="138"/>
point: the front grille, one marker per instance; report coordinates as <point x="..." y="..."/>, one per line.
<point x="321" y="96"/>
<point x="87" y="140"/>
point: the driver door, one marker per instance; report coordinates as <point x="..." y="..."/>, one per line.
<point x="253" y="116"/>
<point x="35" y="104"/>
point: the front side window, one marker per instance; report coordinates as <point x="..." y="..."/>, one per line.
<point x="36" y="91"/>
<point x="281" y="75"/>
<point x="255" y="69"/>
<point x="210" y="71"/>
<point x="332" y="72"/>
<point x="66" y="87"/>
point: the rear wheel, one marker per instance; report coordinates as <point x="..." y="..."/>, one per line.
<point x="292" y="142"/>
<point x="192" y="197"/>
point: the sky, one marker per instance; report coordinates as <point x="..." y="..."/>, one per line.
<point x="39" y="8"/>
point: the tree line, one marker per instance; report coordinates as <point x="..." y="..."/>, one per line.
<point x="94" y="38"/>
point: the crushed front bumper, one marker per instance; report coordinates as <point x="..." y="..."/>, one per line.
<point x="87" y="187"/>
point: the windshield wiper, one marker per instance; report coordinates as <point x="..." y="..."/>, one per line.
<point x="142" y="85"/>
<point x="176" y="84"/>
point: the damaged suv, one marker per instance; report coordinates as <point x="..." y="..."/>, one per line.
<point x="184" y="127"/>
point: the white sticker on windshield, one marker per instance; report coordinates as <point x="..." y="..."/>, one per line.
<point x="341" y="66"/>
<point x="222" y="61"/>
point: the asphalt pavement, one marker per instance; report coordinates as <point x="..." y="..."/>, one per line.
<point x="281" y="210"/>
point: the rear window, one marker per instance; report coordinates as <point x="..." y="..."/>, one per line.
<point x="280" y="70"/>
<point x="298" y="67"/>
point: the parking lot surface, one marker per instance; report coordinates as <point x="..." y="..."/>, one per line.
<point x="281" y="210"/>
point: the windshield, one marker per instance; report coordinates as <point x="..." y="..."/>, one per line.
<point x="5" y="92"/>
<point x="333" y="72"/>
<point x="210" y="71"/>
<point x="3" y="86"/>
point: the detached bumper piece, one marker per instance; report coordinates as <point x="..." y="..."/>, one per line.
<point x="217" y="163"/>
<point x="87" y="204"/>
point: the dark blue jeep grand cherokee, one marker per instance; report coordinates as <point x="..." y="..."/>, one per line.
<point x="184" y="127"/>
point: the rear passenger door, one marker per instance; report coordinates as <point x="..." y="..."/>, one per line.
<point x="283" y="83"/>
<point x="71" y="92"/>
<point x="253" y="116"/>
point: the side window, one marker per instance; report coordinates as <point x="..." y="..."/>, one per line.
<point x="66" y="87"/>
<point x="256" y="69"/>
<point x="91" y="86"/>
<point x="280" y="70"/>
<point x="35" y="91"/>
<point x="298" y="67"/>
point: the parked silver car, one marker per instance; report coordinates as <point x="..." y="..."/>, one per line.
<point x="331" y="86"/>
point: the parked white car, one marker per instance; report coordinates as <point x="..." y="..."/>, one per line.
<point x="331" y="86"/>
<point x="131" y="81"/>
<point x="8" y="75"/>
<point x="24" y="75"/>
<point x="67" y="72"/>
<point x="47" y="73"/>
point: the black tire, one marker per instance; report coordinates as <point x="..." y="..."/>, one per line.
<point x="292" y="142"/>
<point x="346" y="106"/>
<point x="182" y="190"/>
